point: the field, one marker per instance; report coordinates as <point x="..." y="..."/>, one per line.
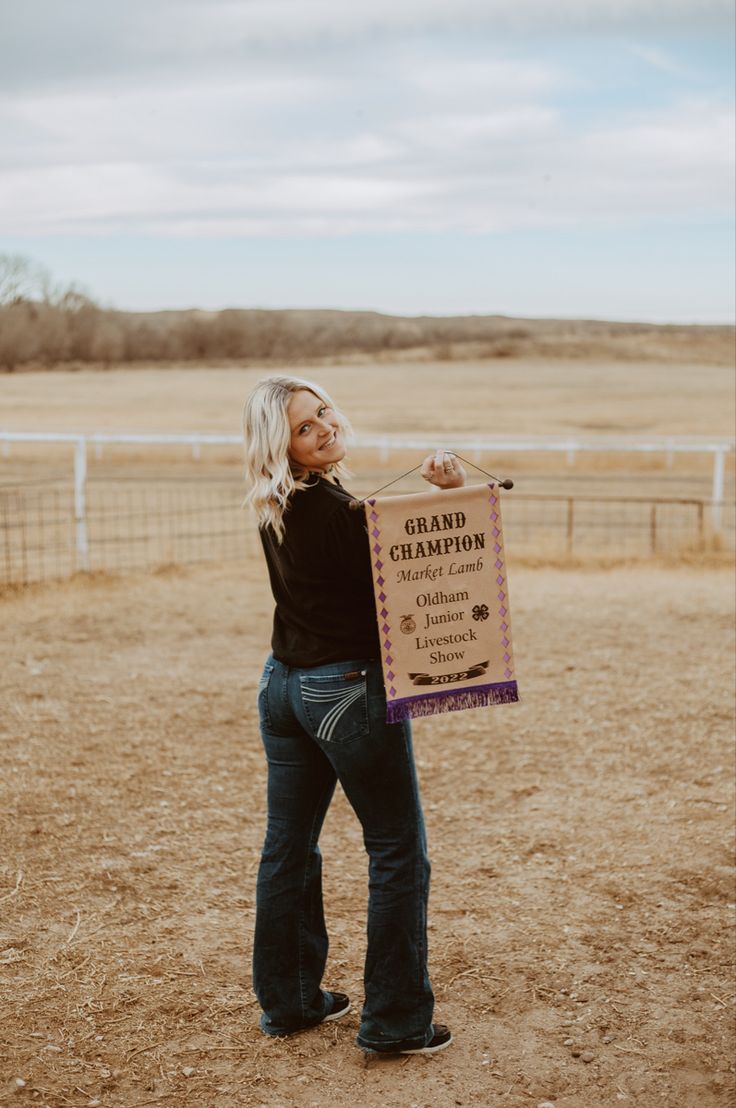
<point x="582" y="908"/>
<point x="510" y="396"/>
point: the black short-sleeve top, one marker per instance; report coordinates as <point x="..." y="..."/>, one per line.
<point x="321" y="579"/>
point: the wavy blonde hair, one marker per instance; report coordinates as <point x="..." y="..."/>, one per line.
<point x="270" y="474"/>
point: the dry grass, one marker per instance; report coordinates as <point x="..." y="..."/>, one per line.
<point x="516" y="396"/>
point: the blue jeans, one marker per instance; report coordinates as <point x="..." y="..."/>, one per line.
<point x="319" y="726"/>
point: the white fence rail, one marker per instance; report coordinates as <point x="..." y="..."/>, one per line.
<point x="384" y="444"/>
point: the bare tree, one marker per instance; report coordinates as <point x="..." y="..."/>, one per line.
<point x="22" y="280"/>
<point x="17" y="334"/>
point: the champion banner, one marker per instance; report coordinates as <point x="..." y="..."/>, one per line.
<point x="439" y="575"/>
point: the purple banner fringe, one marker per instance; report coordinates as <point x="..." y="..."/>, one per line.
<point x="445" y="700"/>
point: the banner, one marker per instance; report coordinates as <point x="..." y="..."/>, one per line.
<point x="442" y="603"/>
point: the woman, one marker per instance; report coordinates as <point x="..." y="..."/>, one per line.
<point x="323" y="719"/>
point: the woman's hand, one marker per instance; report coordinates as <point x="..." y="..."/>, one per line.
<point x="444" y="470"/>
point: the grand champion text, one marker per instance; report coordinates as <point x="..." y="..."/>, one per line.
<point x="428" y="548"/>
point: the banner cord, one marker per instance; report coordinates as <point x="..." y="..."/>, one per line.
<point x="415" y="468"/>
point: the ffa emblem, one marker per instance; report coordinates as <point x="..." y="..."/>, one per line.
<point x="407" y="625"/>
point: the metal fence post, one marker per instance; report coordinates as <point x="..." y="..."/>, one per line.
<point x="6" y="531"/>
<point x="24" y="578"/>
<point x="570" y="523"/>
<point x="653" y="527"/>
<point x="719" y="465"/>
<point x="80" y="502"/>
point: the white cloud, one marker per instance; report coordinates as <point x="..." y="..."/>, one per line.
<point x="660" y="59"/>
<point x="469" y="84"/>
<point x="115" y="196"/>
<point x="266" y="21"/>
<point x="365" y="148"/>
<point x="696" y="137"/>
<point x="480" y="172"/>
<point x="219" y="118"/>
<point x="194" y="119"/>
<point x="50" y="44"/>
<point x="478" y="134"/>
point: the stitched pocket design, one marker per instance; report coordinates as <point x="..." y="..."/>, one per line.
<point x="265" y="678"/>
<point x="262" y="695"/>
<point x="336" y="708"/>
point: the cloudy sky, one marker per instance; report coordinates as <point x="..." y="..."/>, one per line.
<point x="409" y="156"/>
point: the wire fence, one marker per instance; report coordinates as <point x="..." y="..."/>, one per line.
<point x="133" y="526"/>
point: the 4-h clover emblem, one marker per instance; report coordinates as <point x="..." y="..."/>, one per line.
<point x="407" y="625"/>
<point x="480" y="611"/>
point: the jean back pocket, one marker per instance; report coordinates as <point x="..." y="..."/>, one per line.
<point x="336" y="705"/>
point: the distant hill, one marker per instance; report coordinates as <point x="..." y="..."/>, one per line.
<point x="323" y="333"/>
<point x="33" y="333"/>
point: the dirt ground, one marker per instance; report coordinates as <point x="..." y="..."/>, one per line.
<point x="582" y="904"/>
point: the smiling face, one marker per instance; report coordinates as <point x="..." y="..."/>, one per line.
<point x="317" y="440"/>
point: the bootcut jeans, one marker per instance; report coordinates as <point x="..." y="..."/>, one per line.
<point x="319" y="726"/>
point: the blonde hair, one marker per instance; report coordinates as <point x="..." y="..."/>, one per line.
<point x="270" y="475"/>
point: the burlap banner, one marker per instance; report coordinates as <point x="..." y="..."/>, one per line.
<point x="442" y="601"/>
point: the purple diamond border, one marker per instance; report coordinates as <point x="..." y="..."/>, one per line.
<point x="494" y="500"/>
<point x="384" y="626"/>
